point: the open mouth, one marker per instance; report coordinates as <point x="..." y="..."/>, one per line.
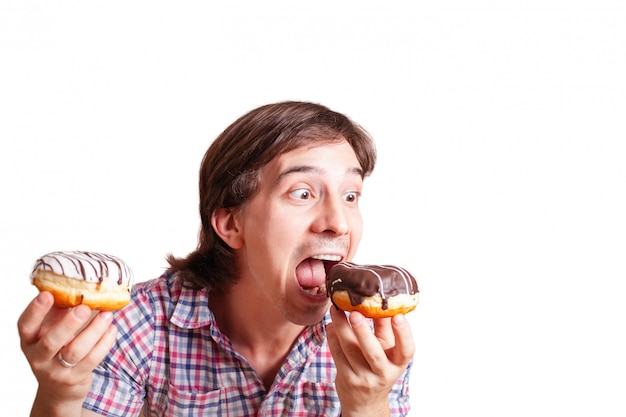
<point x="311" y="273"/>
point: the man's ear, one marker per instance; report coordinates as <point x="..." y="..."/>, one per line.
<point x="227" y="227"/>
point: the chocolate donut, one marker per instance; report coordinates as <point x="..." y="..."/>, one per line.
<point x="376" y="291"/>
<point x="99" y="281"/>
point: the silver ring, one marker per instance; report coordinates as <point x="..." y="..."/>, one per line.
<point x="64" y="362"/>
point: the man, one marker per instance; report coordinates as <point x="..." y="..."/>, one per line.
<point x="241" y="326"/>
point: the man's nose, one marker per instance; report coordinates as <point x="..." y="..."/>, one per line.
<point x="332" y="217"/>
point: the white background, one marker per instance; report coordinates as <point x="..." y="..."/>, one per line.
<point x="501" y="181"/>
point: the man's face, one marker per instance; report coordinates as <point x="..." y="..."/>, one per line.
<point x="304" y="218"/>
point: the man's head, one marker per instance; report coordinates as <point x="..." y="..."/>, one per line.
<point x="229" y="174"/>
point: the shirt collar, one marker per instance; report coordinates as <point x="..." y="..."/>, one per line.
<point x="192" y="312"/>
<point x="192" y="309"/>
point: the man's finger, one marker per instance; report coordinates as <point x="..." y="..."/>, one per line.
<point x="404" y="350"/>
<point x="369" y="345"/>
<point x="384" y="332"/>
<point x="64" y="331"/>
<point x="347" y="342"/>
<point x="31" y="319"/>
<point x="84" y="342"/>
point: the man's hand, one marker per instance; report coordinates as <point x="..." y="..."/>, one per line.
<point x="368" y="363"/>
<point x="63" y="346"/>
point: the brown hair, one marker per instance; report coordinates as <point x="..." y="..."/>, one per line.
<point x="230" y="169"/>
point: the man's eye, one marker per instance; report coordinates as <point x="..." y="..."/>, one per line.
<point x="352" y="197"/>
<point x="301" y="194"/>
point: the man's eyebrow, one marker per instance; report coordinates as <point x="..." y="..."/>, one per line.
<point x="312" y="169"/>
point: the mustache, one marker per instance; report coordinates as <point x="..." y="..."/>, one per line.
<point x="324" y="245"/>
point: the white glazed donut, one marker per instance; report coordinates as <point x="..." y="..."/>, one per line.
<point x="99" y="281"/>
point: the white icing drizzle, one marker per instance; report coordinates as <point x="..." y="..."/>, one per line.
<point x="405" y="276"/>
<point x="409" y="286"/>
<point x="87" y="266"/>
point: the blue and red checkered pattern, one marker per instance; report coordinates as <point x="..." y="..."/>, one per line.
<point x="171" y="356"/>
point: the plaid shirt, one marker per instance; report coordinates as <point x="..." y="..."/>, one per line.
<point x="171" y="354"/>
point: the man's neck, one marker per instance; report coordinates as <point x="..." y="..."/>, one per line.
<point x="256" y="330"/>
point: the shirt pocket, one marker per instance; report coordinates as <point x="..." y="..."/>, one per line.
<point x="317" y="399"/>
<point x="188" y="403"/>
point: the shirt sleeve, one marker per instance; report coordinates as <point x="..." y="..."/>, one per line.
<point x="118" y="388"/>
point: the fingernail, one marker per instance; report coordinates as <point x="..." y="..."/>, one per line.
<point x="400" y="320"/>
<point x="356" y="319"/>
<point x="105" y="316"/>
<point x="41" y="299"/>
<point x="82" y="313"/>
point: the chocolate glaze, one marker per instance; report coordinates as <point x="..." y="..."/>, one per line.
<point x="88" y="266"/>
<point x="362" y="281"/>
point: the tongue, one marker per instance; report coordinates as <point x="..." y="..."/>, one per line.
<point x="311" y="273"/>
